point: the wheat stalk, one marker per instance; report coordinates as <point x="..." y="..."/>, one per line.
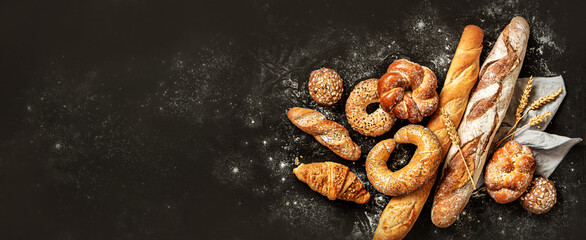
<point x="522" y="104"/>
<point x="451" y="129"/>
<point x="534" y="105"/>
<point x="534" y="121"/>
<point x="538" y="119"/>
<point x="543" y="100"/>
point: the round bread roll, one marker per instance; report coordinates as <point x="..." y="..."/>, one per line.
<point x="325" y="86"/>
<point x="509" y="172"/>
<point x="540" y="197"/>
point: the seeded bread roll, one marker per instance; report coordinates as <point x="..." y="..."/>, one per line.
<point x="325" y="86"/>
<point x="540" y="196"/>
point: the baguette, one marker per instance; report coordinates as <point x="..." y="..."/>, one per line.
<point x="401" y="212"/>
<point x="328" y="133"/>
<point x="484" y="114"/>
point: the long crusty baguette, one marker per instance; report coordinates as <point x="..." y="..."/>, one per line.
<point x="484" y="114"/>
<point x="402" y="212"/>
<point x="328" y="133"/>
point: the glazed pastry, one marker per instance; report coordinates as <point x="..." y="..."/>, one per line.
<point x="540" y="196"/>
<point x="414" y="105"/>
<point x="325" y="86"/>
<point x="401" y="212"/>
<point x="328" y="133"/>
<point x="509" y="172"/>
<point x="421" y="167"/>
<point x="333" y="180"/>
<point x="373" y="124"/>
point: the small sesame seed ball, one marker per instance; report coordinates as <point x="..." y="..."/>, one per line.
<point x="540" y="196"/>
<point x="325" y="86"/>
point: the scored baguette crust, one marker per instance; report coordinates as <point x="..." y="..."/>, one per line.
<point x="483" y="116"/>
<point x="328" y="133"/>
<point x="401" y="212"/>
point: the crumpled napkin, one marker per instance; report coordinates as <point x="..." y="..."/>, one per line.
<point x="548" y="149"/>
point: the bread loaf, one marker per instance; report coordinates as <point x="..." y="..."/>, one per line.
<point x="328" y="133"/>
<point x="484" y="114"/>
<point x="401" y="212"/>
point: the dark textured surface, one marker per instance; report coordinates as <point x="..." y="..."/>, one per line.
<point x="142" y="120"/>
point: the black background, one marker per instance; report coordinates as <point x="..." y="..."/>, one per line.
<point x="166" y="120"/>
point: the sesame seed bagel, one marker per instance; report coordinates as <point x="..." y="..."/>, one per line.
<point x="374" y="124"/>
<point x="421" y="167"/>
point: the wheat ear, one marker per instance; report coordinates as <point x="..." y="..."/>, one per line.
<point x="534" y="105"/>
<point x="451" y="129"/>
<point x="543" y="100"/>
<point x="524" y="99"/>
<point x="534" y="121"/>
<point x="522" y="104"/>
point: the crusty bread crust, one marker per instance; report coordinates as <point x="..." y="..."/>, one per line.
<point x="328" y="133"/>
<point x="484" y="114"/>
<point x="401" y="212"/>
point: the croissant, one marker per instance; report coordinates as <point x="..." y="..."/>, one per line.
<point x="333" y="180"/>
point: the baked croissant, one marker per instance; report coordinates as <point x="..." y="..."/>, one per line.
<point x="333" y="180"/>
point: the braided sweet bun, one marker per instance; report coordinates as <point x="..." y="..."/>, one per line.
<point x="413" y="105"/>
<point x="509" y="172"/>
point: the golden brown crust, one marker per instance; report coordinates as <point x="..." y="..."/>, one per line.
<point x="401" y="212"/>
<point x="484" y="114"/>
<point x="374" y="124"/>
<point x="413" y="105"/>
<point x="333" y="180"/>
<point x="328" y="133"/>
<point x="420" y="169"/>
<point x="509" y="172"/>
<point x="325" y="86"/>
<point x="461" y="77"/>
<point x="540" y="196"/>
